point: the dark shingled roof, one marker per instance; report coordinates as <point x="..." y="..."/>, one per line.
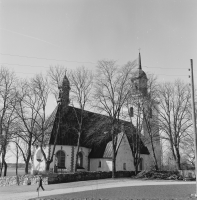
<point x="108" y="149"/>
<point x="95" y="132"/>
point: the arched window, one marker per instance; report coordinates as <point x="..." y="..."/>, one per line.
<point x="61" y="158"/>
<point x="80" y="160"/>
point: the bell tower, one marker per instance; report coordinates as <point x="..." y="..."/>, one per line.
<point x="65" y="94"/>
<point x="139" y="79"/>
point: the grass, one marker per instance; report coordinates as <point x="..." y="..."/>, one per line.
<point x="12" y="171"/>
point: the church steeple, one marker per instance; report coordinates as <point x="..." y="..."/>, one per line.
<point x="65" y="93"/>
<point x="139" y="62"/>
<point x="140" y="78"/>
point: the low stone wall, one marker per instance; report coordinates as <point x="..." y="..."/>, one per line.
<point x="21" y="180"/>
<point x="84" y="176"/>
<point x="60" y="178"/>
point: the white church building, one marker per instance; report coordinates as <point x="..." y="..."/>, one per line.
<point x="97" y="155"/>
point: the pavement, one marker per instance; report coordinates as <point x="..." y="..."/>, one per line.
<point x="28" y="192"/>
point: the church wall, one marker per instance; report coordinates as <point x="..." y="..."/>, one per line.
<point x="146" y="162"/>
<point x="124" y="158"/>
<point x="85" y="152"/>
<point x="38" y="160"/>
<point x="71" y="156"/>
<point x="105" y="164"/>
<point x="67" y="151"/>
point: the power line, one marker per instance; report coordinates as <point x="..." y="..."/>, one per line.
<point x="164" y="68"/>
<point x="24" y="73"/>
<point x="155" y="74"/>
<point x="47" y="58"/>
<point x="23" y="65"/>
<point x="170" y="75"/>
<point x="69" y="61"/>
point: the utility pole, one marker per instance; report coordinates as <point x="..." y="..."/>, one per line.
<point x="194" y="121"/>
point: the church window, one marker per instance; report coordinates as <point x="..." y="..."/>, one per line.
<point x="131" y="112"/>
<point x="61" y="158"/>
<point x="124" y="166"/>
<point x="80" y="160"/>
<point x="99" y="164"/>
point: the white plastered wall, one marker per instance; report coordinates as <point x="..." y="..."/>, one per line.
<point x="40" y="166"/>
<point x="124" y="155"/>
<point x="85" y="151"/>
<point x="106" y="164"/>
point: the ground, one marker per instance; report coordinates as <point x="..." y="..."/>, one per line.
<point x="167" y="192"/>
<point x="112" y="189"/>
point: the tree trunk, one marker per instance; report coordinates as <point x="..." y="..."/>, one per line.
<point x="47" y="166"/>
<point x="178" y="159"/>
<point x="17" y="161"/>
<point x="27" y="165"/>
<point x="113" y="153"/>
<point x="5" y="168"/>
<point x="154" y="157"/>
<point x="1" y="164"/>
<point x="4" y="164"/>
<point x="78" y="143"/>
<point x="136" y="165"/>
<point x="136" y="169"/>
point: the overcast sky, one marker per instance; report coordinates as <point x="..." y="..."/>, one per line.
<point x="38" y="33"/>
<point x="35" y="34"/>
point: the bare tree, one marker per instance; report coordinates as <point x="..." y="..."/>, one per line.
<point x="7" y="107"/>
<point x="42" y="90"/>
<point x="150" y="120"/>
<point x="29" y="107"/>
<point x="188" y="149"/>
<point x="135" y="105"/>
<point x="16" y="151"/>
<point x="174" y="115"/>
<point x="56" y="75"/>
<point x="111" y="91"/>
<point x="81" y="83"/>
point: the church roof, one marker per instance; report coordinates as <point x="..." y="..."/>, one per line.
<point x="92" y="123"/>
<point x="108" y="149"/>
<point x="95" y="132"/>
<point x="105" y="150"/>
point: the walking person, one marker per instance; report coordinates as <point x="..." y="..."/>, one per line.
<point x="40" y="184"/>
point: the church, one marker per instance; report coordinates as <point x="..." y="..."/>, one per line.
<point x="95" y="154"/>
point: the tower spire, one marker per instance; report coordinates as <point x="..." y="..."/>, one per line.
<point x="139" y="62"/>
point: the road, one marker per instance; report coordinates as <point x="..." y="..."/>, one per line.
<point x="135" y="192"/>
<point x="126" y="188"/>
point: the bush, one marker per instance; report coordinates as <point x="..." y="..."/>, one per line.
<point x="166" y="175"/>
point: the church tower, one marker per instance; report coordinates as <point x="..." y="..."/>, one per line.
<point x="139" y="79"/>
<point x="65" y="94"/>
<point x="149" y="112"/>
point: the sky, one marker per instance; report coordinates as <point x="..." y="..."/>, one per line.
<point x="37" y="34"/>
